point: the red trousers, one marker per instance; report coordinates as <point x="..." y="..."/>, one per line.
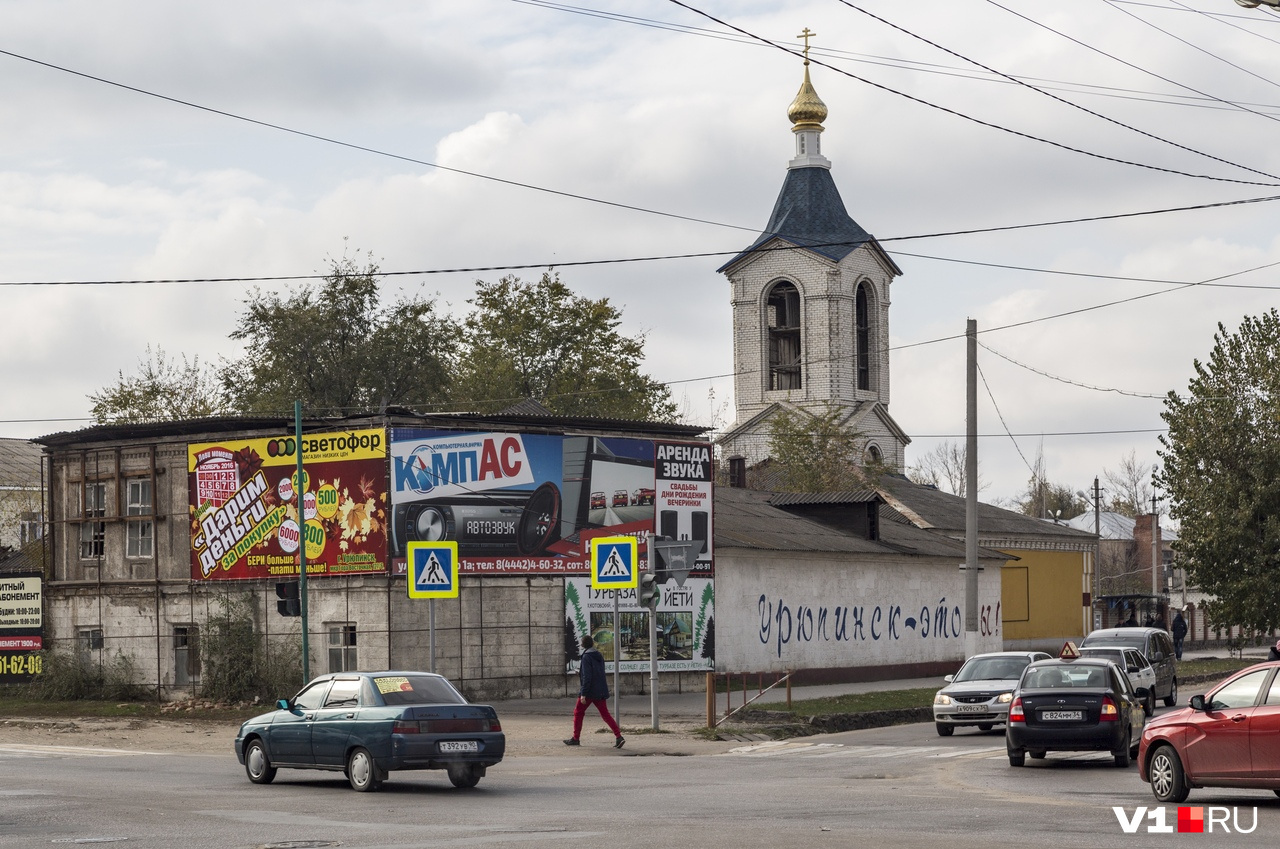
<point x="602" y="705"/>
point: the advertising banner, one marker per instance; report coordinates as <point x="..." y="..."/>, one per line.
<point x="683" y="499"/>
<point x="522" y="503"/>
<point x="685" y="619"/>
<point x="244" y="496"/>
<point x="21" y="626"/>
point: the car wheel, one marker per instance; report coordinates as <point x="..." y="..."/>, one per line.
<point x="362" y="771"/>
<point x="1168" y="781"/>
<point x="944" y="730"/>
<point x="465" y="775"/>
<point x="986" y="726"/>
<point x="1149" y="706"/>
<point x="1172" y="699"/>
<point x="256" y="764"/>
<point x="1017" y="757"/>
<point x="1122" y="754"/>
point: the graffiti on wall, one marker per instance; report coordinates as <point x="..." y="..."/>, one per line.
<point x="783" y="623"/>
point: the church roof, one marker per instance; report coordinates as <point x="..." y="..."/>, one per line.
<point x="809" y="213"/>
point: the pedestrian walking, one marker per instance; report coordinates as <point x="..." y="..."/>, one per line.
<point x="593" y="690"/>
<point x="1179" y="634"/>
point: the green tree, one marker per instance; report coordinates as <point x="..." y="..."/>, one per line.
<point x="541" y="341"/>
<point x="1222" y="473"/>
<point x="162" y="390"/>
<point x="816" y="451"/>
<point x="338" y="350"/>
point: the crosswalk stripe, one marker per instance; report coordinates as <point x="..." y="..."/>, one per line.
<point x="33" y="751"/>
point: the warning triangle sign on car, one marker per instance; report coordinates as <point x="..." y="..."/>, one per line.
<point x="1069" y="651"/>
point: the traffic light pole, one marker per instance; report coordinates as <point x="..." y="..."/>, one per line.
<point x="302" y="543"/>
<point x="653" y="667"/>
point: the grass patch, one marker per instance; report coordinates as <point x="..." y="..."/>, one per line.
<point x="1212" y="666"/>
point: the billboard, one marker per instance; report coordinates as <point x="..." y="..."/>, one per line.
<point x="529" y="503"/>
<point x="21" y="626"/>
<point x="244" y="496"/>
<point x="684" y="617"/>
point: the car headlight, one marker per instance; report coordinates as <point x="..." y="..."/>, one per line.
<point x="942" y="699"/>
<point x="1004" y="698"/>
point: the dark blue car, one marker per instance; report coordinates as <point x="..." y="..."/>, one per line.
<point x="367" y="724"/>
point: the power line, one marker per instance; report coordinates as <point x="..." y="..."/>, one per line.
<point x="1058" y="99"/>
<point x="697" y="255"/>
<point x="1067" y="381"/>
<point x="967" y="117"/>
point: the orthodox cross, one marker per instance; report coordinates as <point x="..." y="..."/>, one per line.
<point x="806" y="35"/>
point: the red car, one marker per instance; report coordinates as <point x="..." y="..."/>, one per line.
<point x="620" y="498"/>
<point x="597" y="501"/>
<point x="643" y="495"/>
<point x="1229" y="737"/>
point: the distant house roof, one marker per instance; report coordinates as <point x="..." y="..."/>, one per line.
<point x="809" y="213"/>
<point x="945" y="512"/>
<point x="746" y="518"/>
<point x="1115" y="526"/>
<point x="396" y="417"/>
<point x="19" y="464"/>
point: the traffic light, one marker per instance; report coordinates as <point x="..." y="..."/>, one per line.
<point x="289" y="604"/>
<point x="649" y="590"/>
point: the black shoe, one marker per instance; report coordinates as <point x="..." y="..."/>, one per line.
<point x="572" y="741"/>
<point x="618" y="741"/>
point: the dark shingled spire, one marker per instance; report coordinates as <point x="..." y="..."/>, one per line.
<point x="810" y="213"/>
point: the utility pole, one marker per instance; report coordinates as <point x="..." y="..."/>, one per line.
<point x="971" y="491"/>
<point x="1155" y="548"/>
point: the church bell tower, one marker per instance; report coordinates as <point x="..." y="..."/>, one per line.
<point x="811" y="307"/>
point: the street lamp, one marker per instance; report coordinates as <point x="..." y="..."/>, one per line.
<point x="1097" y="532"/>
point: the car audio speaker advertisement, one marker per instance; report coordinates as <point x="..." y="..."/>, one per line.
<point x="685" y="626"/>
<point x="522" y="503"/>
<point x="244" y="497"/>
<point x="21" y="626"/>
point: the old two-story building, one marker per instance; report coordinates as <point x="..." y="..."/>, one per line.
<point x="156" y="529"/>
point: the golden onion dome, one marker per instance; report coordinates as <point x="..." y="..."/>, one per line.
<point x="807" y="111"/>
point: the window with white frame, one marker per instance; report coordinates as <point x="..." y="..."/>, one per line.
<point x="29" y="529"/>
<point x="92" y="534"/>
<point x="141" y="531"/>
<point x="342" y="647"/>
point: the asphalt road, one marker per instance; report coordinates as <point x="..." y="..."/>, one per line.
<point x="891" y="787"/>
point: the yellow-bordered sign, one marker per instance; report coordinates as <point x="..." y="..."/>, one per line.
<point x="433" y="569"/>
<point x="613" y="563"/>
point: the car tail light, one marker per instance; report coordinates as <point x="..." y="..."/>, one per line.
<point x="1109" y="711"/>
<point x="1015" y="711"/>
<point x="460" y="726"/>
<point x="406" y="726"/>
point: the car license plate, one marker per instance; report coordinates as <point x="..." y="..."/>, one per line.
<point x="459" y="746"/>
<point x="1061" y="715"/>
<point x="971" y="708"/>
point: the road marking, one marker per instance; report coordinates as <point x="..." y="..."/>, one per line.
<point x="787" y="748"/>
<point x="8" y="750"/>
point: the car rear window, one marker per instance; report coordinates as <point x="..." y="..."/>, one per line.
<point x="1137" y="641"/>
<point x="416" y="690"/>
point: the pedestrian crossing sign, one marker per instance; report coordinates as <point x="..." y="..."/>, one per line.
<point x="613" y="563"/>
<point x="433" y="569"/>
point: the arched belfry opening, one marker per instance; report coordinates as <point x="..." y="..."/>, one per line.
<point x="863" y="337"/>
<point x="783" y="316"/>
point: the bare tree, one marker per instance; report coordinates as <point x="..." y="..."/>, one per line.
<point x="944" y="468"/>
<point x="1130" y="486"/>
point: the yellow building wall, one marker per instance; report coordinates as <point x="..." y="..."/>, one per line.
<point x="1042" y="595"/>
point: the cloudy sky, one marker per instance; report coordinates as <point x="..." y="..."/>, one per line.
<point x="156" y="141"/>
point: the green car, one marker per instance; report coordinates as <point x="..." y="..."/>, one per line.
<point x="368" y="724"/>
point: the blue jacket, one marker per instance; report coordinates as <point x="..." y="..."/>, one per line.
<point x="595" y="685"/>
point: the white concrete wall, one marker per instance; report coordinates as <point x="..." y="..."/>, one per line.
<point x="796" y="611"/>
